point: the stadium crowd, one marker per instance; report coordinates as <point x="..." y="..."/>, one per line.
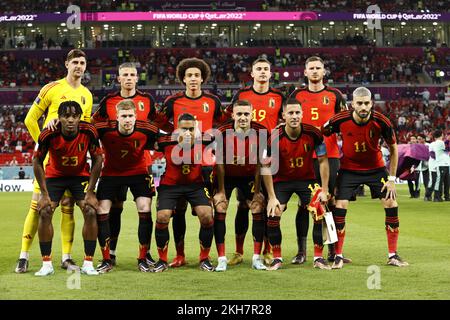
<point x="368" y="66"/>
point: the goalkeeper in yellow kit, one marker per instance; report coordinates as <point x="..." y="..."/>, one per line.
<point x="47" y="102"/>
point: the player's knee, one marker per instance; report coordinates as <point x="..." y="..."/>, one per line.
<point x="342" y="204"/>
<point x="390" y="203"/>
<point x="221" y="207"/>
<point x="256" y="206"/>
<point x="163" y="216"/>
<point x="46" y="214"/>
<point x="67" y="202"/>
<point x="205" y="217"/>
<point x="90" y="214"/>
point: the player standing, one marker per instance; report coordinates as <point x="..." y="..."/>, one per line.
<point x="183" y="177"/>
<point x="267" y="105"/>
<point x="362" y="163"/>
<point x="319" y="103"/>
<point x="47" y="102"/>
<point x="238" y="167"/>
<point x="67" y="168"/>
<point x="207" y="110"/>
<point x="145" y="110"/>
<point x="125" y="141"/>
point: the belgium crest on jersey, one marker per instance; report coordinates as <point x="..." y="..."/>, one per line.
<point x="136" y="144"/>
<point x="272" y="103"/>
<point x="371" y="133"/>
<point x="141" y="106"/>
<point x="307" y="147"/>
<point x="326" y="100"/>
<point x="80" y="146"/>
<point x="206" y="107"/>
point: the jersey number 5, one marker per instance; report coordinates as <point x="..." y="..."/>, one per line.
<point x="314" y="114"/>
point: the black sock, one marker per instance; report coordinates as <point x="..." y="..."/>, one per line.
<point x="161" y="234"/>
<point x="258" y="227"/>
<point x="241" y="221"/>
<point x="89" y="247"/>
<point x="145" y="228"/>
<point x="179" y="226"/>
<point x="302" y="226"/>
<point x="46" y="248"/>
<point x="206" y="234"/>
<point x="115" y="217"/>
<point x="219" y="227"/>
<point x="317" y="233"/>
<point x="274" y="231"/>
<point x="104" y="233"/>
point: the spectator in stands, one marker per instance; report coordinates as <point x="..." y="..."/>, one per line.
<point x="14" y="162"/>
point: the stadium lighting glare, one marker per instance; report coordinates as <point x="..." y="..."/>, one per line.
<point x="258" y="25"/>
<point x="365" y="23"/>
<point x="441" y="73"/>
<point x="403" y="23"/>
<point x="291" y="24"/>
<point x="105" y="26"/>
<point x="435" y="23"/>
<point x="214" y="24"/>
<point x="331" y="23"/>
<point x="285" y="74"/>
<point x="139" y="26"/>
<point x="63" y="24"/>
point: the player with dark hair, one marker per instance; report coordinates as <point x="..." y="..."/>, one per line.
<point x="362" y="163"/>
<point x="267" y="110"/>
<point x="207" y="110"/>
<point x="297" y="142"/>
<point x="183" y="177"/>
<point x="67" y="169"/>
<point x="146" y="109"/>
<point x="238" y="167"/>
<point x="47" y="103"/>
<point x="125" y="141"/>
<point x="319" y="103"/>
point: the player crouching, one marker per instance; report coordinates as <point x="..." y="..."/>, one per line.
<point x="67" y="168"/>
<point x="183" y="178"/>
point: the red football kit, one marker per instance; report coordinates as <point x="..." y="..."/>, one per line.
<point x="242" y="152"/>
<point x="295" y="157"/>
<point x="267" y="107"/>
<point x="360" y="142"/>
<point x="124" y="154"/>
<point x="67" y="155"/>
<point x="181" y="168"/>
<point x="318" y="107"/>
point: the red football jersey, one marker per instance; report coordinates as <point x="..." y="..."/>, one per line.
<point x="240" y="153"/>
<point x="295" y="157"/>
<point x="145" y="106"/>
<point x="68" y="156"/>
<point x="360" y="142"/>
<point x="177" y="172"/>
<point x="206" y="109"/>
<point x="318" y="107"/>
<point x="267" y="107"/>
<point x="124" y="155"/>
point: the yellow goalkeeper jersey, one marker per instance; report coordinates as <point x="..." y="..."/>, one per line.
<point x="49" y="99"/>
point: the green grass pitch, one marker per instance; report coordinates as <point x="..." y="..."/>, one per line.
<point x="424" y="242"/>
